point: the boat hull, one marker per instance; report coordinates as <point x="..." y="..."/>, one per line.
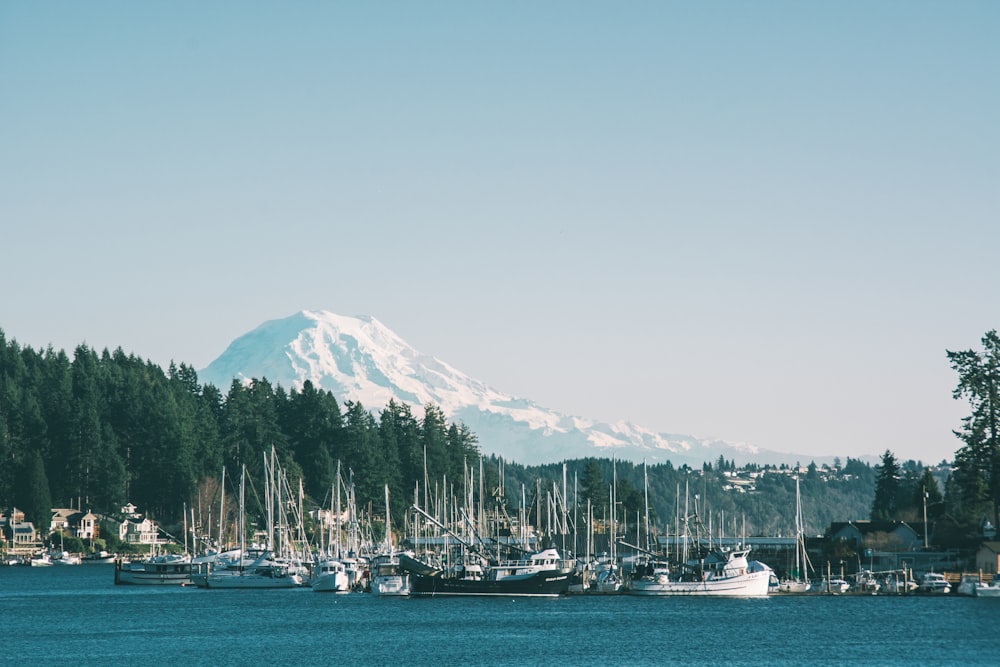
<point x="753" y="584"/>
<point x="252" y="580"/>
<point x="425" y="580"/>
<point x="153" y="574"/>
<point x="391" y="585"/>
<point x="547" y="584"/>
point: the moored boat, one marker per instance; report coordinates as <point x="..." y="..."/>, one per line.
<point x="389" y="578"/>
<point x="41" y="560"/>
<point x="262" y="573"/>
<point x="330" y="576"/>
<point x="98" y="558"/>
<point x="933" y="583"/>
<point x="165" y="570"/>
<point x="543" y="573"/>
<point x="722" y="572"/>
<point x="990" y="590"/>
<point x="833" y="584"/>
<point x="967" y="584"/>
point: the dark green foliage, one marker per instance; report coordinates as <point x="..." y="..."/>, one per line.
<point x="33" y="490"/>
<point x="885" y="504"/>
<point x="976" y="489"/>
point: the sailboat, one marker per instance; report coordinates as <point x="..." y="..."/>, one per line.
<point x="797" y="583"/>
<point x="330" y="573"/>
<point x="388" y="578"/>
<point x="263" y="572"/>
<point x="608" y="578"/>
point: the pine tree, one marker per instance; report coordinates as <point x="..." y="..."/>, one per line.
<point x="886" y="489"/>
<point x="32" y="494"/>
<point x="978" y="461"/>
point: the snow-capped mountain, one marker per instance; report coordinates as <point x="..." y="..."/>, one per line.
<point x="360" y="359"/>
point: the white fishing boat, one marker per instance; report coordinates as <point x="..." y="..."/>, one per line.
<point x="722" y="572"/>
<point x="714" y="571"/>
<point x="330" y="576"/>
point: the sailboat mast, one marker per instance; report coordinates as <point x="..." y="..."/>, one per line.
<point x="388" y="524"/>
<point x="645" y="493"/>
<point x="222" y="508"/>
<point x="242" y="520"/>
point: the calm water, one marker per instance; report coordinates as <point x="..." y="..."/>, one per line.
<point x="76" y="615"/>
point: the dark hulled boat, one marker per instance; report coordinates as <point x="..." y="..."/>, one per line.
<point x="540" y="574"/>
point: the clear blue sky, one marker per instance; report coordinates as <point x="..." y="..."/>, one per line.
<point x="762" y="221"/>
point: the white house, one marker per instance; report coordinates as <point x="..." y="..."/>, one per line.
<point x="138" y="532"/>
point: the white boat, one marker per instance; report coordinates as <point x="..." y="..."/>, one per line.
<point x="793" y="586"/>
<point x="165" y="570"/>
<point x="967" y="584"/>
<point x="934" y="583"/>
<point x="898" y="583"/>
<point x="330" y="575"/>
<point x="990" y="590"/>
<point x="797" y="583"/>
<point x="835" y="585"/>
<point x="387" y="577"/>
<point x="721" y="572"/>
<point x="262" y="573"/>
<point x="41" y="560"/>
<point x="866" y="583"/>
<point x="65" y="558"/>
<point x="608" y="582"/>
<point x="98" y="558"/>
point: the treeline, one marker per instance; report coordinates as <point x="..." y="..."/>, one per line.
<point x="97" y="431"/>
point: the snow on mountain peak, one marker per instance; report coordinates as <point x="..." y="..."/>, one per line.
<point x="360" y="359"/>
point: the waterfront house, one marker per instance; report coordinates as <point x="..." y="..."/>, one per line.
<point x="138" y="532"/>
<point x="886" y="535"/>
<point x="988" y="557"/>
<point x="74" y="522"/>
<point x="22" y="535"/>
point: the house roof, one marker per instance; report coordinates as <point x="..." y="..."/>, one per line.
<point x="992" y="546"/>
<point x="869" y="527"/>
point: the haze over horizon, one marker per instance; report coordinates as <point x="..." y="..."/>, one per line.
<point x="757" y="222"/>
